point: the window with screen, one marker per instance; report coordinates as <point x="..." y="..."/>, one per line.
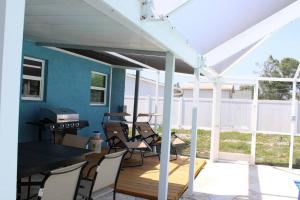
<point x="98" y="88"/>
<point x="33" y="79"/>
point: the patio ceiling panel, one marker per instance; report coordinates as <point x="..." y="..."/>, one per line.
<point x="76" y="22"/>
<point x="77" y="26"/>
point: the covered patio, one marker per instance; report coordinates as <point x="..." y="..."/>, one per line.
<point x="127" y="34"/>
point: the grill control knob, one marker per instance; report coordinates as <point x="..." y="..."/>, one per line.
<point x="52" y="127"/>
<point x="77" y="125"/>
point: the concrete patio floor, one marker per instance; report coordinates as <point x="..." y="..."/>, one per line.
<point x="239" y="181"/>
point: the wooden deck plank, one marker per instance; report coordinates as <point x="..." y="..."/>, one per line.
<point x="143" y="181"/>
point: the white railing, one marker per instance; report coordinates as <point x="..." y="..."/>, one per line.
<point x="274" y="117"/>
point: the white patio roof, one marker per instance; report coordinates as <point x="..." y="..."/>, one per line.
<point x="221" y="29"/>
<point x="216" y="29"/>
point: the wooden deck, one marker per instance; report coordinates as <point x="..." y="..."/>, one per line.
<point x="143" y="181"/>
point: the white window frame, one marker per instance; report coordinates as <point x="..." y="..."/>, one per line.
<point x="99" y="88"/>
<point x="28" y="77"/>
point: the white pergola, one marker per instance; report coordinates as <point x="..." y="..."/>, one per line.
<point x="203" y="34"/>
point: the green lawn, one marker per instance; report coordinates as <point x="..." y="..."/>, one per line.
<point x="270" y="149"/>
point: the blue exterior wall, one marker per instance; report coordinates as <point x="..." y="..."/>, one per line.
<point x="118" y="82"/>
<point x="67" y="84"/>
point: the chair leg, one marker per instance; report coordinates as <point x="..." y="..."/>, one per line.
<point x="28" y="188"/>
<point x="175" y="151"/>
<point x="130" y="152"/>
<point x="114" y="195"/>
<point x="19" y="190"/>
<point x="142" y="157"/>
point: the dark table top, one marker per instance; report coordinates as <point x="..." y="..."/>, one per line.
<point x="37" y="157"/>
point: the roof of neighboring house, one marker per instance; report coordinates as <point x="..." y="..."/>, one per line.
<point x="144" y="79"/>
<point x="206" y="86"/>
<point x="177" y="90"/>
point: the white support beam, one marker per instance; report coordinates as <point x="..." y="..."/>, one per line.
<point x="294" y="116"/>
<point x="166" y="129"/>
<point x="11" y="39"/>
<point x="193" y="149"/>
<point x="254" y="122"/>
<point x="236" y="79"/>
<point x="297" y="72"/>
<point x="161" y="33"/>
<point x="216" y="121"/>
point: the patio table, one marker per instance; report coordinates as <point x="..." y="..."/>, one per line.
<point x="37" y="157"/>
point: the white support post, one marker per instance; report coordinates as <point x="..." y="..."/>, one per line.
<point x="254" y="122"/>
<point x="216" y="119"/>
<point x="193" y="149"/>
<point x="180" y="110"/>
<point x="11" y="39"/>
<point x="156" y="100"/>
<point x="294" y="113"/>
<point x="166" y="131"/>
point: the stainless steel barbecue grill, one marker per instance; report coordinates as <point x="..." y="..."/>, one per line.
<point x="59" y="121"/>
<point x="59" y="115"/>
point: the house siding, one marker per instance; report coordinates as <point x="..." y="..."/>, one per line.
<point x="118" y="85"/>
<point x="67" y="84"/>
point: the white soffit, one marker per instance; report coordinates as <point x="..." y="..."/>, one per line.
<point x="208" y="24"/>
<point x="78" y="23"/>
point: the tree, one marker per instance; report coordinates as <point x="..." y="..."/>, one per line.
<point x="285" y="68"/>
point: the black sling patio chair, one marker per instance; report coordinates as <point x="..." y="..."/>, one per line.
<point x="116" y="139"/>
<point x="148" y="135"/>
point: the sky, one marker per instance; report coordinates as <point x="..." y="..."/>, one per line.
<point x="284" y="42"/>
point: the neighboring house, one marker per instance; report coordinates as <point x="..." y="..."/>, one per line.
<point x="206" y="90"/>
<point x="58" y="79"/>
<point x="147" y="88"/>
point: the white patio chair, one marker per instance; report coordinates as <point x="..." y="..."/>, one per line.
<point x="75" y="141"/>
<point x="61" y="183"/>
<point x="105" y="178"/>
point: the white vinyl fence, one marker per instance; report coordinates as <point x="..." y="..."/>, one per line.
<point x="274" y="117"/>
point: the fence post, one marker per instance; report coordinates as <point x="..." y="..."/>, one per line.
<point x="149" y="104"/>
<point x="294" y="113"/>
<point x="216" y="119"/>
<point x="254" y="122"/>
